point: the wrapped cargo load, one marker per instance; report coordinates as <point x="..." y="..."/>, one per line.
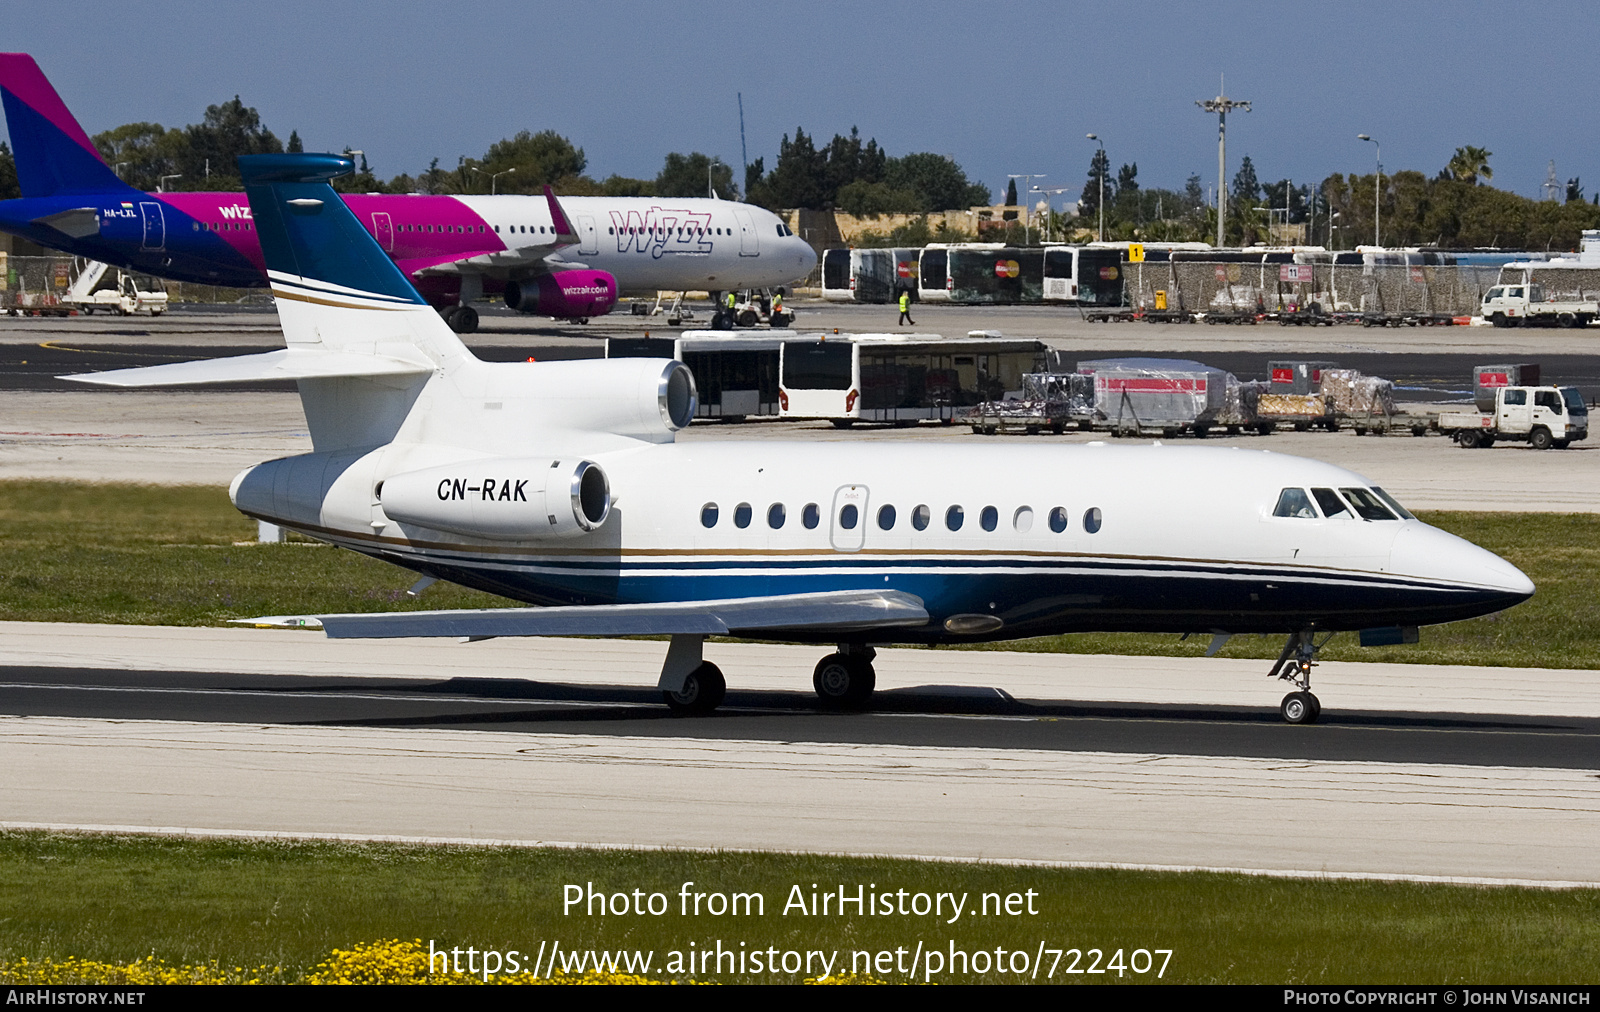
<point x="1169" y="393"/>
<point x="1354" y="395"/>
<point x="1292" y="406"/>
<point x="1074" y="391"/>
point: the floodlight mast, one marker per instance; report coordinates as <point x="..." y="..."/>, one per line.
<point x="1222" y="105"/>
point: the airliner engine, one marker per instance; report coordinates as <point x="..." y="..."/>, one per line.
<point x="502" y="498"/>
<point x="566" y="295"/>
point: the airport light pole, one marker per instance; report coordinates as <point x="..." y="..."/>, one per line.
<point x="1100" y="232"/>
<point x="1222" y="105"/>
<point x="117" y="169"/>
<point x="1377" y="188"/>
<point x="1049" y="230"/>
<point x="161" y="184"/>
<point x="495" y="179"/>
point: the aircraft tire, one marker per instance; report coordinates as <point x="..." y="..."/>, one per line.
<point x="1300" y="708"/>
<point x="464" y="320"/>
<point x="843" y="683"/>
<point x="703" y="692"/>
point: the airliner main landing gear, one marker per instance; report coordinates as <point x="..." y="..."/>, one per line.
<point x="1294" y="665"/>
<point x="845" y="680"/>
<point x="461" y="319"/>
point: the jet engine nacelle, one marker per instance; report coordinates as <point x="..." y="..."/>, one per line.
<point x="502" y="498"/>
<point x="566" y="295"/>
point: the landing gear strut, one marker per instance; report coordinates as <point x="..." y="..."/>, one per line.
<point x="690" y="685"/>
<point x="845" y="680"/>
<point x="1294" y="665"/>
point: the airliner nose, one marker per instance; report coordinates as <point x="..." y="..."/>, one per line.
<point x="1432" y="554"/>
<point x="808" y="256"/>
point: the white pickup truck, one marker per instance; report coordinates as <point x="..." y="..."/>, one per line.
<point x="1540" y="416"/>
<point x="1525" y="306"/>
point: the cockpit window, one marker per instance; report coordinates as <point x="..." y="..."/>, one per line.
<point x="1293" y="502"/>
<point x="1369" y="506"/>
<point x="1330" y="502"/>
<point x="1394" y="504"/>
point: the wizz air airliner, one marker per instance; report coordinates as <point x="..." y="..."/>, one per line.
<point x="560" y="484"/>
<point x="568" y="264"/>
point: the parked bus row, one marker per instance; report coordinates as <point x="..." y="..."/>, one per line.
<point x="899" y="379"/>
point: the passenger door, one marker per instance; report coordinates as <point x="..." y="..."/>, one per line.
<point x="383" y="230"/>
<point x="749" y="243"/>
<point x="848" y="528"/>
<point x="155" y="225"/>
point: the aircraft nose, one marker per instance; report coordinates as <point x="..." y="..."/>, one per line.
<point x="808" y="256"/>
<point x="1427" y="552"/>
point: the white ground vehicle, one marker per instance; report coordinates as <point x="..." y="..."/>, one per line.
<point x="123" y="293"/>
<point x="1540" y="416"/>
<point x="1525" y="306"/>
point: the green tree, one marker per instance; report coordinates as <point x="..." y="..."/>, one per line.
<point x="9" y="188"/>
<point x="540" y="158"/>
<point x="209" y="157"/>
<point x="938" y="181"/>
<point x="1099" y="171"/>
<point x="1468" y="163"/>
<point x="141" y="153"/>
<point x="295" y="147"/>
<point x="688" y="176"/>
<point x="799" y="179"/>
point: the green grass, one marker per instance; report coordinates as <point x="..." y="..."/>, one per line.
<point x="119" y="898"/>
<point x="165" y="555"/>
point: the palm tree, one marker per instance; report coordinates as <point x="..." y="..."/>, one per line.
<point x="1469" y="163"/>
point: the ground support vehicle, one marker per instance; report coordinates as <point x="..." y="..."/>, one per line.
<point x="676" y="311"/>
<point x="125" y="298"/>
<point x="1526" y="306"/>
<point x="1542" y="417"/>
<point x="1053" y="401"/>
<point x="763" y="306"/>
<point x="1300" y="412"/>
<point x="1310" y="316"/>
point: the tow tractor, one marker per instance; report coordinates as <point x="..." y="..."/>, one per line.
<point x="754" y="308"/>
<point x="1542" y="417"/>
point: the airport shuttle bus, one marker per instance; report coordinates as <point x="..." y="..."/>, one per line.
<point x="900" y="379"/>
<point x="1083" y="275"/>
<point x="736" y="377"/>
<point x="869" y="275"/>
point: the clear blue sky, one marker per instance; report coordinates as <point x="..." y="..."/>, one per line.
<point x="1001" y="88"/>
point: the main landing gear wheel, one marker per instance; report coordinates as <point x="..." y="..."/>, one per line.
<point x="1300" y="708"/>
<point x="702" y="692"/>
<point x="843" y="682"/>
<point x="462" y="319"/>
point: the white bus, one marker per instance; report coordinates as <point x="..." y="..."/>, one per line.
<point x="869" y="275"/>
<point x="736" y="377"/>
<point x="901" y="379"/>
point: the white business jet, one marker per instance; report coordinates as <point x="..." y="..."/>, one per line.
<point x="560" y="484"/>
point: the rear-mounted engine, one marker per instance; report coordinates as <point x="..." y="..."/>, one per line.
<point x="502" y="498"/>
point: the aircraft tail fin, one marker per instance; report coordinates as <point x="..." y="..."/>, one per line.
<point x="338" y="291"/>
<point x="53" y="154"/>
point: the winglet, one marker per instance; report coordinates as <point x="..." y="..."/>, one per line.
<point x="565" y="233"/>
<point x="53" y="153"/>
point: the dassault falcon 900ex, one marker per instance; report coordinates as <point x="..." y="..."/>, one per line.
<point x="560" y="484"/>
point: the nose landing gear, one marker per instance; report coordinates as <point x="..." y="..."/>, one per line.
<point x="1294" y="665"/>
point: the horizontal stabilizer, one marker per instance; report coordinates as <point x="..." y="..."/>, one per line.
<point x="836" y="611"/>
<point x="288" y="364"/>
<point x="77" y="223"/>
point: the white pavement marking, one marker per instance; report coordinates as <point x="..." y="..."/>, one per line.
<point x="1435" y="688"/>
<point x="1334" y="818"/>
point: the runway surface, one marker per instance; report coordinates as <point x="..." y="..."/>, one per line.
<point x="1061" y="758"/>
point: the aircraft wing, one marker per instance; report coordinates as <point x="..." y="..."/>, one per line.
<point x="517" y="259"/>
<point x="841" y="611"/>
<point x="288" y="363"/>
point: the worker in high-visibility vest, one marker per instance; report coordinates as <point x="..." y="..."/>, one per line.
<point x="905" y="309"/>
<point x="730" y="301"/>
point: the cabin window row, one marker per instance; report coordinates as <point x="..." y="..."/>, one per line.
<point x="223" y="226"/>
<point x="1347" y="503"/>
<point x="887" y="517"/>
<point x="689" y="230"/>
